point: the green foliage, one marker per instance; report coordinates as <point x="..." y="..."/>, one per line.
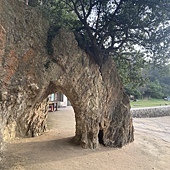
<point x="154" y="90"/>
<point x="130" y="66"/>
<point x="59" y="14"/>
<point x="131" y="90"/>
<point x="157" y="86"/>
<point x="114" y="27"/>
<point x="162" y="75"/>
<point x="132" y="32"/>
<point x="165" y="89"/>
<point x="51" y="34"/>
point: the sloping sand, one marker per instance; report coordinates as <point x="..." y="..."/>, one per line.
<point x="55" y="150"/>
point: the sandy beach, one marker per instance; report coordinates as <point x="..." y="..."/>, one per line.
<point x="54" y="150"/>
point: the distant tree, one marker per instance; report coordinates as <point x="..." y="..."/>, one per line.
<point x="131" y="90"/>
<point x="161" y="74"/>
<point x="156" y="84"/>
<point x="154" y="90"/>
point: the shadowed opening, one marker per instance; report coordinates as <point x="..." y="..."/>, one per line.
<point x="100" y="137"/>
<point x="61" y="108"/>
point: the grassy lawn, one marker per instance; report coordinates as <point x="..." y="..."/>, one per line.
<point x="149" y="103"/>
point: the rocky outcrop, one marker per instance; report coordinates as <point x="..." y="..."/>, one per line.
<point x="28" y="75"/>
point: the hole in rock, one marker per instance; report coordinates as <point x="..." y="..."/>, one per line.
<point x="61" y="116"/>
<point x="100" y="137"/>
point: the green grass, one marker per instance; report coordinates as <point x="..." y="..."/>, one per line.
<point x="149" y="103"/>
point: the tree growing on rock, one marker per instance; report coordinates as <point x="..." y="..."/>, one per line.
<point x="105" y="30"/>
<point x="118" y="28"/>
<point x="132" y="32"/>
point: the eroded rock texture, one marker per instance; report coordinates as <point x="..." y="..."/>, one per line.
<point x="28" y="75"/>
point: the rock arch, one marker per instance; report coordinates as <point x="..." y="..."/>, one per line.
<point x="29" y="74"/>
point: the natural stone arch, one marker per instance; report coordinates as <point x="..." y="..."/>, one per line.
<point x="79" y="110"/>
<point x="74" y="79"/>
<point x="28" y="72"/>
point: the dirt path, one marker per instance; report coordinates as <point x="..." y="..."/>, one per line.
<point x="55" y="151"/>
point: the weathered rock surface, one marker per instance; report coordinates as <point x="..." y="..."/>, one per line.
<point x="28" y="75"/>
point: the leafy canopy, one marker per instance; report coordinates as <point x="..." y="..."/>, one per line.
<point x="132" y="32"/>
<point x="117" y="27"/>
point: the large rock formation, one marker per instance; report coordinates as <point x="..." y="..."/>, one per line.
<point x="28" y="75"/>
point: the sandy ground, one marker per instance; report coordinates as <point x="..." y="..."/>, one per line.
<point x="55" y="150"/>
